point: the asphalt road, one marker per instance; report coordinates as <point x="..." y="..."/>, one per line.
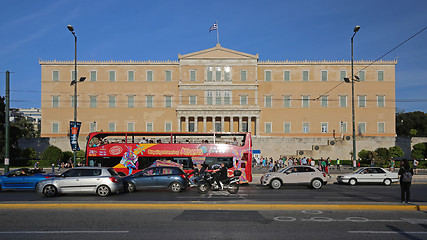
<point x="210" y="224"/>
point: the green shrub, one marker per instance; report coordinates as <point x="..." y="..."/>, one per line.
<point x="51" y="155"/>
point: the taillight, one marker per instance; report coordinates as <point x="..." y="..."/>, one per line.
<point x="47" y="177"/>
<point x="324" y="174"/>
<point x="183" y="176"/>
<point x="113" y="179"/>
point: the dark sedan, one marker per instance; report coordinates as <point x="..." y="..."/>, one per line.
<point x="173" y="178"/>
<point x="22" y="179"/>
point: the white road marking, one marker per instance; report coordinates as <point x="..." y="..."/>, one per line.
<point x="386" y="232"/>
<point x="61" y="232"/>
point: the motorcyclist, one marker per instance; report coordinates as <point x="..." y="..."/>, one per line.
<point x="197" y="174"/>
<point x="221" y="174"/>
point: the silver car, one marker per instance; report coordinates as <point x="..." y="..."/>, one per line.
<point x="100" y="180"/>
<point x="369" y="175"/>
<point x="299" y="174"/>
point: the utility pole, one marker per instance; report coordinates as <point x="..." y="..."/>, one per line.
<point x="6" y="125"/>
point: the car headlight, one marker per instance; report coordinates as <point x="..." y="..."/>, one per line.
<point x="267" y="176"/>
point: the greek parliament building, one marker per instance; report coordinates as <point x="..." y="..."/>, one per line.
<point x="223" y="90"/>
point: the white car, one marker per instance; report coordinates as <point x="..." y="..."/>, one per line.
<point x="295" y="175"/>
<point x="369" y="175"/>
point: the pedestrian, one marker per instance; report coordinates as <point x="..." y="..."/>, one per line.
<point x="392" y="165"/>
<point x="36" y="165"/>
<point x="405" y="173"/>
<point x="59" y="165"/>
<point x="338" y="164"/>
<point x="53" y="167"/>
<point x="415" y="163"/>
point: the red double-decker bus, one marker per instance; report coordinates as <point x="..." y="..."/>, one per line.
<point x="129" y="152"/>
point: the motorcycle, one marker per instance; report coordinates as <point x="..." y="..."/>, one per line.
<point x="207" y="182"/>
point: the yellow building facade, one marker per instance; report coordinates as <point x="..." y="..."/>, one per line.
<point x="220" y="89"/>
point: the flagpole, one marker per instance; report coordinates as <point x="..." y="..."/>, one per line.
<point x="217" y="32"/>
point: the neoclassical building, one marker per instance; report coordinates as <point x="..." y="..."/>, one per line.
<point x="220" y="89"/>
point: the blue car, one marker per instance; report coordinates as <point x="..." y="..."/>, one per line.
<point x="22" y="178"/>
<point x="173" y="178"/>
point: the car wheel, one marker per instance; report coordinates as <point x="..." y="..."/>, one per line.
<point x="103" y="191"/>
<point x="352" y="182"/>
<point x="50" y="191"/>
<point x="233" y="188"/>
<point x="175" y="187"/>
<point x="203" y="188"/>
<point x="316" y="183"/>
<point x="275" y="184"/>
<point x="387" y="182"/>
<point x="130" y="187"/>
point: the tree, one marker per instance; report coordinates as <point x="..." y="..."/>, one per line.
<point x="365" y="155"/>
<point x="411" y="120"/>
<point x="51" y="155"/>
<point x="382" y="155"/>
<point x="419" y="151"/>
<point x="396" y="152"/>
<point x="29" y="153"/>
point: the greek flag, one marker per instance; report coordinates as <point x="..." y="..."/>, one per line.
<point x="213" y="27"/>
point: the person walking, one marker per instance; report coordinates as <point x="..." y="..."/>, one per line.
<point x="338" y="164"/>
<point x="415" y="163"/>
<point x="405" y="173"/>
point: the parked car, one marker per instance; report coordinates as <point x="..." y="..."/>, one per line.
<point x="369" y="175"/>
<point x="22" y="178"/>
<point x="173" y="178"/>
<point x="301" y="175"/>
<point x="100" y="180"/>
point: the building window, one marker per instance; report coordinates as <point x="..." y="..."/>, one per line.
<point x="381" y="101"/>
<point x="268" y="127"/>
<point x="149" y="127"/>
<point x="343" y="127"/>
<point x="343" y="74"/>
<point x="192" y="75"/>
<point x="131" y="76"/>
<point x="111" y="127"/>
<point x="362" y="76"/>
<point x="380" y="75"/>
<point x="131" y="127"/>
<point x="218" y="74"/>
<point x="305" y="127"/>
<point x="55" y="101"/>
<point x="112" y="75"/>
<point x="268" y="76"/>
<point x="324" y="76"/>
<point x="209" y="98"/>
<point x="149" y="101"/>
<point x="324" y="101"/>
<point x="131" y="101"/>
<point x="218" y="98"/>
<point x="381" y="127"/>
<point x="287" y="101"/>
<point x="286" y="76"/>
<point x="149" y="76"/>
<point x="112" y="101"/>
<point x="243" y="100"/>
<point x="93" y="101"/>
<point x="305" y="101"/>
<point x="362" y="127"/>
<point x="168" y="75"/>
<point x="73" y="76"/>
<point x="92" y="127"/>
<point x="209" y="74"/>
<point x="168" y="101"/>
<point x="287" y="127"/>
<point x="227" y="97"/>
<point x="243" y="76"/>
<point x="305" y="76"/>
<point x="245" y="127"/>
<point x="268" y="101"/>
<point x="168" y="127"/>
<point x="193" y="100"/>
<point x="343" y="101"/>
<point x="362" y="100"/>
<point x="324" y="127"/>
<point x="55" y="127"/>
<point x="55" y="76"/>
<point x="227" y="74"/>
<point x="72" y="101"/>
<point x="93" y="76"/>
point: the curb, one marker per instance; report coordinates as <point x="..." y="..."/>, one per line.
<point x="215" y="206"/>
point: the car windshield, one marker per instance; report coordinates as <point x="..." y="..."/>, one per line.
<point x="358" y="170"/>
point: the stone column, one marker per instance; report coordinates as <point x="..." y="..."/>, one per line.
<point x="213" y="123"/>
<point x="249" y="123"/>
<point x="231" y="124"/>
<point x="240" y="124"/>
<point x="204" y="123"/>
<point x="257" y="126"/>
<point x="178" y="127"/>
<point x="195" y="123"/>
<point x="186" y="123"/>
<point x="222" y="124"/>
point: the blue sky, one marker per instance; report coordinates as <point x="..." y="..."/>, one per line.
<point x="160" y="30"/>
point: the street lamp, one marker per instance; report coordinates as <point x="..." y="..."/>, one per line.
<point x="352" y="95"/>
<point x="71" y="29"/>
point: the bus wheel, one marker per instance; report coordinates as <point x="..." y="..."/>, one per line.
<point x="233" y="188"/>
<point x="175" y="187"/>
<point x="130" y="187"/>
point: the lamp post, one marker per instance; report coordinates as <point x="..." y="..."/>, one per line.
<point x="75" y="85"/>
<point x="352" y="96"/>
